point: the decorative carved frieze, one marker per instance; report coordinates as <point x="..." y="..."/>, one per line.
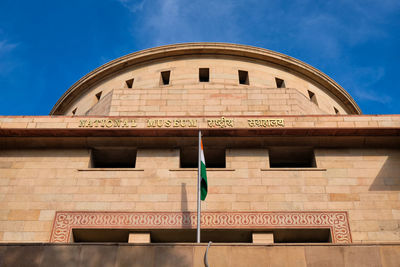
<point x="336" y="221"/>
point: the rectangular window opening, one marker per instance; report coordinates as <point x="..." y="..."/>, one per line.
<point x="313" y="97"/>
<point x="302" y="235"/>
<point x="279" y="83"/>
<point x="165" y="75"/>
<point x="113" y="158"/>
<point x="188" y="157"/>
<point x="336" y="111"/>
<point x="243" y="77"/>
<point x="129" y="83"/>
<point x="215" y="157"/>
<point x="291" y="157"/>
<point x="100" y="235"/>
<point x="322" y="235"/>
<point x="204" y="74"/>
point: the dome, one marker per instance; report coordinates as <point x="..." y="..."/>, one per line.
<point x="205" y="79"/>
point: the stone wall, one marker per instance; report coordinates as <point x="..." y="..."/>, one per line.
<point x="223" y="94"/>
<point x="193" y="255"/>
<point x="35" y="183"/>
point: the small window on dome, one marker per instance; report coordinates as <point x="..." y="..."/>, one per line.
<point x="313" y="97"/>
<point x="98" y="96"/>
<point x="279" y="83"/>
<point x="243" y="77"/>
<point x="165" y="76"/>
<point x="204" y="74"/>
<point x="74" y="111"/>
<point x="129" y="83"/>
<point x="336" y="111"/>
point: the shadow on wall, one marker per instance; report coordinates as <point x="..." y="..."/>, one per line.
<point x="388" y="177"/>
<point x="186" y="219"/>
<point x="184" y="203"/>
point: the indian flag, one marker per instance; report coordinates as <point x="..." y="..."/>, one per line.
<point x="203" y="174"/>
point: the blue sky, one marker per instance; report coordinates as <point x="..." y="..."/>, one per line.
<point x="45" y="46"/>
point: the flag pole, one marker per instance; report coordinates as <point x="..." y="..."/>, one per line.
<point x="198" y="191"/>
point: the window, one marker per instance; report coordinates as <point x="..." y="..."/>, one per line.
<point x="313" y="98"/>
<point x="165" y="75"/>
<point x="129" y="83"/>
<point x="204" y="74"/>
<point x="214" y="235"/>
<point x="100" y="235"/>
<point x="336" y="111"/>
<point x="215" y="157"/>
<point x="113" y="158"/>
<point x="74" y="111"/>
<point x="291" y="157"/>
<point x="98" y="96"/>
<point x="188" y="157"/>
<point x="302" y="236"/>
<point x="279" y="83"/>
<point x="243" y="77"/>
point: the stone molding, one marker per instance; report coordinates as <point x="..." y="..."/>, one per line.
<point x="66" y="221"/>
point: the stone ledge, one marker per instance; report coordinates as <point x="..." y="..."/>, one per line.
<point x="294" y="169"/>
<point x="208" y="169"/>
<point x="110" y="169"/>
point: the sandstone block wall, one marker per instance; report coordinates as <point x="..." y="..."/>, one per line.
<point x="223" y="94"/>
<point x="36" y="183"/>
<point x="193" y="255"/>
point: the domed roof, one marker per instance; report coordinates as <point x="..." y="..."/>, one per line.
<point x="210" y="50"/>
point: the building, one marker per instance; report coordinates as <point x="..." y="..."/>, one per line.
<point x="297" y="175"/>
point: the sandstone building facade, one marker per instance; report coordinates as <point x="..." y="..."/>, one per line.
<point x="294" y="168"/>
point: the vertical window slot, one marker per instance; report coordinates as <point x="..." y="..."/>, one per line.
<point x="129" y="83"/>
<point x="243" y="77"/>
<point x="204" y="74"/>
<point x="313" y="97"/>
<point x="165" y="76"/>
<point x="279" y="83"/>
<point x="98" y="96"/>
<point x="336" y="111"/>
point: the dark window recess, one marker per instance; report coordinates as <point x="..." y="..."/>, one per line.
<point x="215" y="157"/>
<point x="100" y="235"/>
<point x="291" y="157"/>
<point x="204" y="74"/>
<point x="129" y="83"/>
<point x="98" y="96"/>
<point x="165" y="75"/>
<point x="74" y="111"/>
<point x="188" y="157"/>
<point x="336" y="111"/>
<point x="243" y="77"/>
<point x="189" y="236"/>
<point x="302" y="236"/>
<point x="113" y="158"/>
<point x="214" y="235"/>
<point x="313" y="97"/>
<point x="279" y="83"/>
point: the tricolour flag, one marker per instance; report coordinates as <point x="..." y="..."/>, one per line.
<point x="203" y="174"/>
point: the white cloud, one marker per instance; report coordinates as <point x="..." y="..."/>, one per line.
<point x="6" y="47"/>
<point x="173" y="21"/>
<point x="133" y="5"/>
<point x="7" y="61"/>
<point x="373" y="96"/>
<point x="368" y="87"/>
